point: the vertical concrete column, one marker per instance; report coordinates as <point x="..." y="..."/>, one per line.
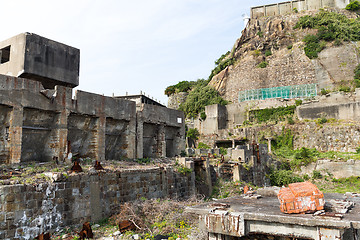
<point x="233" y="143"/>
<point x="161" y="141"/>
<point x="236" y="173"/>
<point x="100" y="138"/>
<point x="329" y="234"/>
<point x="208" y="176"/>
<point x="269" y="145"/>
<point x="62" y="133"/>
<point x="15" y="134"/>
<point x="139" y="137"/>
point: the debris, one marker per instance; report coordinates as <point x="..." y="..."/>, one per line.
<point x="302" y="197"/>
<point x="351" y="194"/>
<point x="223" y="205"/>
<point x="43" y="236"/>
<point x="86" y="231"/>
<point x="252" y="196"/>
<point x="126" y="225"/>
<point x="246" y="189"/>
<point x="324" y="214"/>
<point x="98" y="166"/>
<point x="339" y="206"/>
<point x="76" y="167"/>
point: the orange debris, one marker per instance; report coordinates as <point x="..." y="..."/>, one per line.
<point x="302" y="197"/>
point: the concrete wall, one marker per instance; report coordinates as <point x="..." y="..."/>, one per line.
<point x="41" y="59"/>
<point x="160" y="131"/>
<point x="28" y="210"/>
<point x="39" y="124"/>
<point x="338" y="169"/>
<point x="287" y="7"/>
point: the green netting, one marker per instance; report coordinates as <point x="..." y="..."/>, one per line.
<point x="286" y="92"/>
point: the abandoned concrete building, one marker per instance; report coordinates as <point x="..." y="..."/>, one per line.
<point x="41" y="118"/>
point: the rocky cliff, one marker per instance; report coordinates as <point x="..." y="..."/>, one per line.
<point x="273" y="41"/>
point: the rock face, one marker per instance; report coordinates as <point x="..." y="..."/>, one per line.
<point x="176" y="99"/>
<point x="288" y="64"/>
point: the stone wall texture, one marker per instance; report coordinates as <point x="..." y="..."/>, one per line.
<point x="28" y="210"/>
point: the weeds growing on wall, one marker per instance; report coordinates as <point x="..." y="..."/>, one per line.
<point x="271" y="114"/>
<point x="357" y="76"/>
<point x="331" y="26"/>
<point x="202" y="145"/>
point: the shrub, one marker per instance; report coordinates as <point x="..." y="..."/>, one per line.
<point x="321" y="120"/>
<point x="337" y="42"/>
<point x="358" y="150"/>
<point x="268" y="53"/>
<point x="295" y="10"/>
<point x="353" y="6"/>
<point x="344" y="89"/>
<point x="263" y="64"/>
<point x="357" y="76"/>
<point x="221" y="66"/>
<point x="290" y="46"/>
<point x="324" y="91"/>
<point x="283" y="177"/>
<point x="202" y="145"/>
<point x="193" y="133"/>
<point x="260" y="33"/>
<point x="298" y="102"/>
<point x="290" y="121"/>
<point x="200" y="97"/>
<point x="223" y="151"/>
<point x="316" y="174"/>
<point x="272" y="114"/>
<point x="203" y="116"/>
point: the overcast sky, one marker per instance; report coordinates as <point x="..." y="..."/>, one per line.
<point x="133" y="45"/>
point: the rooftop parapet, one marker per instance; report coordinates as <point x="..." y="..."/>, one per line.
<point x="300" y="5"/>
<point x="31" y="56"/>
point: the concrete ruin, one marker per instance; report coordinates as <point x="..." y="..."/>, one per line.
<point x="243" y="216"/>
<point x="42" y="119"/>
<point x="289" y="6"/>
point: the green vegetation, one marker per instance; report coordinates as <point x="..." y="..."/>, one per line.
<point x="221" y="65"/>
<point x="357" y="76"/>
<point x="353" y="6"/>
<point x="224" y="189"/>
<point x="202" y="145"/>
<point x="331" y="26"/>
<point x="344" y="88"/>
<point x="223" y="151"/>
<point x="271" y="114"/>
<point x="289" y="47"/>
<point x="260" y="33"/>
<point x="268" y="53"/>
<point x="193" y="133"/>
<point x="298" y="102"/>
<point x="184" y="86"/>
<point x="321" y="120"/>
<point x="263" y="64"/>
<point x="200" y="97"/>
<point x="283" y="177"/>
<point x="144" y="160"/>
<point x="203" y="116"/>
<point x="324" y="91"/>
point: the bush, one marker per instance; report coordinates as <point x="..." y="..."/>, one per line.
<point x="324" y="91"/>
<point x="203" y="116"/>
<point x="316" y="174"/>
<point x="223" y="151"/>
<point x="358" y="150"/>
<point x="221" y="65"/>
<point x="321" y="120"/>
<point x="298" y="102"/>
<point x="260" y="33"/>
<point x="290" y="121"/>
<point x="268" y="53"/>
<point x="203" y="146"/>
<point x="353" y="6"/>
<point x="283" y="177"/>
<point x="200" y="97"/>
<point x="193" y="133"/>
<point x="289" y="47"/>
<point x="271" y="114"/>
<point x="344" y="89"/>
<point x="263" y="64"/>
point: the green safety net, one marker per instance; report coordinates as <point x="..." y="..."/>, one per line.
<point x="286" y="92"/>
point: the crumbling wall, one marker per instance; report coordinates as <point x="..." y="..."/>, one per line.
<point x="28" y="210"/>
<point x="4" y="133"/>
<point x="116" y="143"/>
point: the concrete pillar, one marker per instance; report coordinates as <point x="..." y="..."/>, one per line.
<point x="208" y="176"/>
<point x="236" y="173"/>
<point x="269" y="145"/>
<point x="330" y="234"/>
<point x="15" y="134"/>
<point x="61" y="135"/>
<point x="100" y="138"/>
<point x="139" y="138"/>
<point x="161" y="141"/>
<point x="233" y="144"/>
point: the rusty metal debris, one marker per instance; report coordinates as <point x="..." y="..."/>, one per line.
<point x="324" y="214"/>
<point x="86" y="231"/>
<point x="76" y="167"/>
<point x="126" y="225"/>
<point x="98" y="166"/>
<point x="43" y="236"/>
<point x="302" y="197"/>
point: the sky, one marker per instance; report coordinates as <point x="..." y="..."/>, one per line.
<point x="138" y="45"/>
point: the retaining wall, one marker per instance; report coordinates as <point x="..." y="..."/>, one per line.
<point x="28" y="210"/>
